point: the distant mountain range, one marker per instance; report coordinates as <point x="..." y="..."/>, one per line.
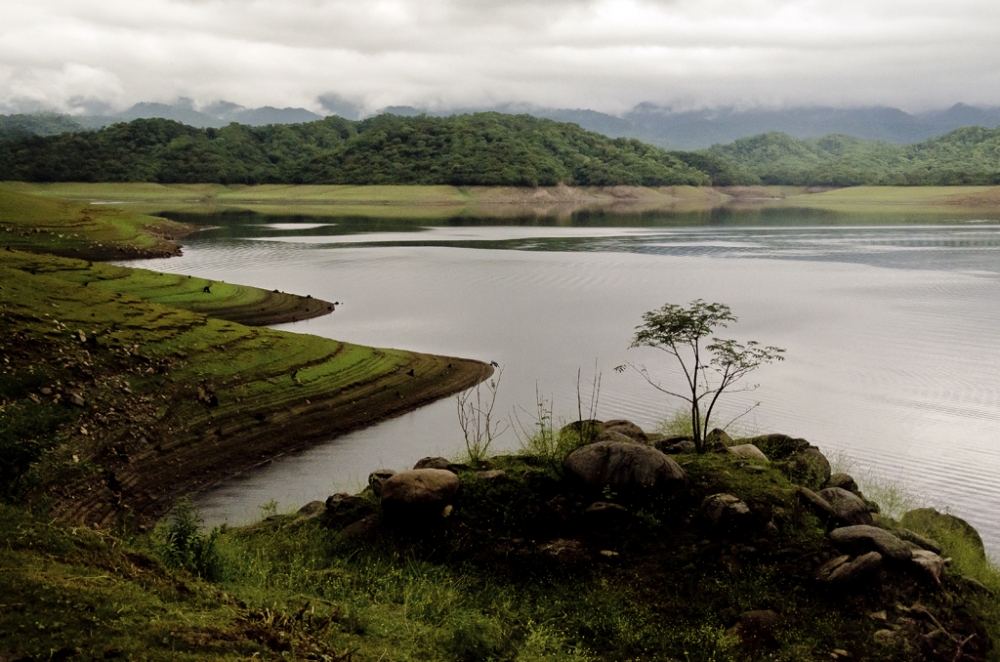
<point x="700" y="129"/>
<point x="663" y="127"/>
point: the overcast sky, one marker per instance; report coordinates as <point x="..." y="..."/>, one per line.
<point x="606" y="55"/>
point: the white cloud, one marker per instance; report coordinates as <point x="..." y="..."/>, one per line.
<point x="602" y="54"/>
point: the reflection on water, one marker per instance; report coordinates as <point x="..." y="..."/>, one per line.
<point x="889" y="329"/>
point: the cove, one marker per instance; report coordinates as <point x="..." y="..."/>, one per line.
<point x="889" y="326"/>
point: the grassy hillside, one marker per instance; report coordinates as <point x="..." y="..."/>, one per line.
<point x="488" y="149"/>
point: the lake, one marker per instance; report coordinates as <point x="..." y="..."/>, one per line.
<point x="890" y="328"/>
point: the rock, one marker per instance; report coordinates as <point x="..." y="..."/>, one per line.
<point x="884" y="637"/>
<point x="418" y="492"/>
<point x="685" y="446"/>
<point x="724" y="509"/>
<point x="311" y="510"/>
<point x="605" y="515"/>
<point x="845" y="570"/>
<point x="567" y="552"/>
<point x="433" y="463"/>
<point x="757" y="630"/>
<point x="778" y="446"/>
<point x="843" y="481"/>
<point x="920" y="541"/>
<point x="343" y="509"/>
<point x="819" y="505"/>
<point x="614" y="435"/>
<point x="862" y="538"/>
<point x="662" y="441"/>
<point x="363" y="529"/>
<point x="748" y="452"/>
<point x="627" y="428"/>
<point x="849" y="507"/>
<point x="75" y="399"/>
<point x="377" y="478"/>
<point x="929" y="564"/>
<point x="717" y="441"/>
<point x="585" y="431"/>
<point x="491" y="476"/>
<point x="808" y="468"/>
<point x="624" y="467"/>
<point x="942" y="526"/>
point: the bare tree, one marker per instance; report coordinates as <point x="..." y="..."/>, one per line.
<point x="475" y="415"/>
<point x="709" y="369"/>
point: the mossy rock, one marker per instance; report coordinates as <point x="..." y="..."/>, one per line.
<point x="808" y="468"/>
<point x="777" y="446"/>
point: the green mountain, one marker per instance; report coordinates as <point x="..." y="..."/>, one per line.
<point x="487" y="149"/>
<point x="966" y="156"/>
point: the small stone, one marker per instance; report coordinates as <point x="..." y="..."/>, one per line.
<point x="840" y="652"/>
<point x="447" y="510"/>
<point x="76" y="399"/>
<point x="884" y="637"/>
<point x="564" y="551"/>
<point x="609" y="553"/>
<point x="880" y="616"/>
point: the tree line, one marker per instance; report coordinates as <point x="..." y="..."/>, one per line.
<point x="486" y="149"/>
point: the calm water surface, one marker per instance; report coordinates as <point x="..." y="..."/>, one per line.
<point x="890" y="331"/>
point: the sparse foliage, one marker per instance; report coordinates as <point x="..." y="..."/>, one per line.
<point x="475" y="416"/>
<point x="709" y="369"/>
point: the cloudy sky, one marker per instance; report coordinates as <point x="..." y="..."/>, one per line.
<point x="608" y="55"/>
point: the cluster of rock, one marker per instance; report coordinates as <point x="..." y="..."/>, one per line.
<point x="618" y="465"/>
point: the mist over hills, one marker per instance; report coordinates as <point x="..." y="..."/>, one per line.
<point x="657" y="125"/>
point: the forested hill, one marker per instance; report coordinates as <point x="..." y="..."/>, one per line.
<point x="13" y="127"/>
<point x="967" y="156"/>
<point x="478" y="149"/>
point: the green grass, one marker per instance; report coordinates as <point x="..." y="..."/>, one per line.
<point x="68" y="227"/>
<point x="171" y="394"/>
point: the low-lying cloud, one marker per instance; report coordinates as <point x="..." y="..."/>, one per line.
<point x="609" y="55"/>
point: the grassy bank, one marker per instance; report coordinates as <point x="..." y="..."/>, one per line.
<point x="444" y="202"/>
<point x="169" y="400"/>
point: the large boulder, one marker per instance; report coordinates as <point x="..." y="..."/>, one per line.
<point x="862" y="538"/>
<point x="942" y="526"/>
<point x="419" y="491"/>
<point x="849" y="507"/>
<point x="624" y="467"/>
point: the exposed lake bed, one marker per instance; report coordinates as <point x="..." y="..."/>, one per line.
<point x="888" y="330"/>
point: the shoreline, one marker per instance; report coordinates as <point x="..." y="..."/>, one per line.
<point x="150" y="391"/>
